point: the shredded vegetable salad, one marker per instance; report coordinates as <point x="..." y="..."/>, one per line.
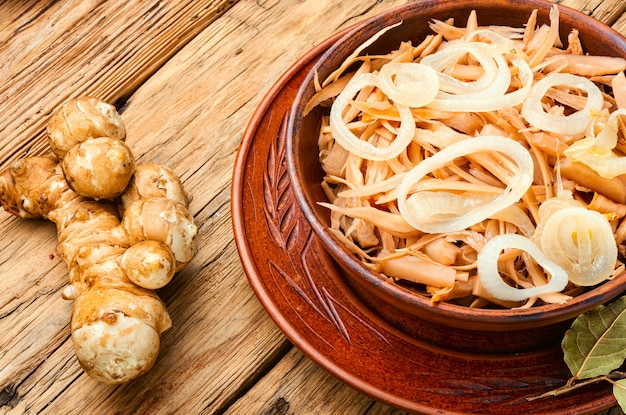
<point x="484" y="166"/>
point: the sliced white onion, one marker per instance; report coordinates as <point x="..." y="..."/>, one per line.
<point x="445" y="59"/>
<point x="580" y="241"/>
<point x="516" y="216"/>
<point x="492" y="101"/>
<point x="608" y="136"/>
<point x="564" y="199"/>
<point x="597" y="152"/>
<point x="413" y="209"/>
<point x="498" y="86"/>
<point x="409" y="83"/>
<point x="493" y="283"/>
<point x="499" y="44"/>
<point x="435" y="207"/>
<point x="354" y="144"/>
<point x="572" y="124"/>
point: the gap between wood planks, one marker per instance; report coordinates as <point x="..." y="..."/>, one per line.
<point x="268" y="365"/>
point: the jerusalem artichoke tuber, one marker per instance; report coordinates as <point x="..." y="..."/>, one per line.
<point x="82" y="119"/>
<point x="117" y="251"/>
<point x="99" y="168"/>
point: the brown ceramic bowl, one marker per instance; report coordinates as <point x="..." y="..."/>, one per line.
<point x="484" y="330"/>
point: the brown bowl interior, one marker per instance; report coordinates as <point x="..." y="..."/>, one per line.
<point x="409" y="312"/>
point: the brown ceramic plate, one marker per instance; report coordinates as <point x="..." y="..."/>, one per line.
<point x="306" y="295"/>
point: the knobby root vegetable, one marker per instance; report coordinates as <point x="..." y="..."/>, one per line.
<point x="118" y="251"/>
<point x="87" y="135"/>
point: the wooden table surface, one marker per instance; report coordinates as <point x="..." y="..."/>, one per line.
<point x="187" y="77"/>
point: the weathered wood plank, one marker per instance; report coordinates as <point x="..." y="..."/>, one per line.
<point x="606" y="11"/>
<point x="297" y="386"/>
<point x="58" y="50"/>
<point x="620" y="24"/>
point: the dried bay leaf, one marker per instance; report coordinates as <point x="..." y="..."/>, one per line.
<point x="619" y="391"/>
<point x="595" y="344"/>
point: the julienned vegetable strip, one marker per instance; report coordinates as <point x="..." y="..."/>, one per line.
<point x="476" y="137"/>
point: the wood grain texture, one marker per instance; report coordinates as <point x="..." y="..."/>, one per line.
<point x="59" y="50"/>
<point x="288" y="389"/>
<point x="605" y="11"/>
<point x="620" y="24"/>
<point x="187" y="76"/>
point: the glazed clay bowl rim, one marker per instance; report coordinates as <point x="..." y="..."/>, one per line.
<point x="415" y="304"/>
